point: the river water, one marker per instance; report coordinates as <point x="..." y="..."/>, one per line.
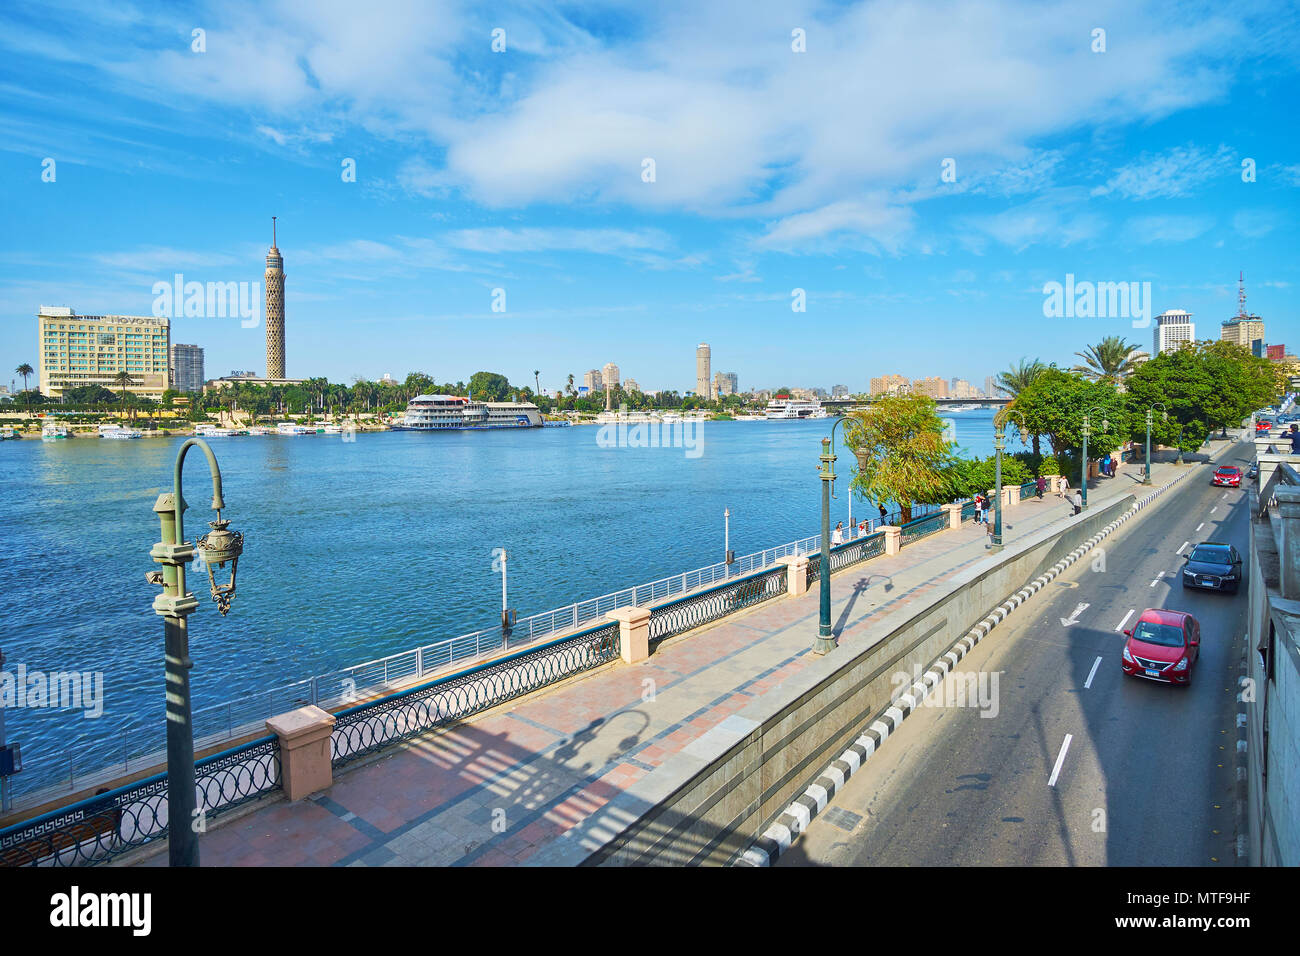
<point x="359" y="549"/>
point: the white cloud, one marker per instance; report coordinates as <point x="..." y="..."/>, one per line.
<point x="603" y="241"/>
<point x="1168" y="228"/>
<point x="1174" y="173"/>
<point x="1254" y="223"/>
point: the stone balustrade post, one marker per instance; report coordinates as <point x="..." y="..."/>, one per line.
<point x="893" y="538"/>
<point x="1288" y="507"/>
<point x="1012" y="495"/>
<point x="954" y="516"/>
<point x="633" y="632"/>
<point x="796" y="569"/>
<point x="305" y="761"/>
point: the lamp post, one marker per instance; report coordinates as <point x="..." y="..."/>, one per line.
<point x="727" y="556"/>
<point x="999" y="446"/>
<point x="174" y="605"/>
<point x="825" y="642"/>
<point x="1146" y="471"/>
<point x="1083" y="465"/>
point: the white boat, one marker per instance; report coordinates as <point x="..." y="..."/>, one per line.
<point x="213" y="431"/>
<point x="53" y="431"/>
<point x="333" y="430"/>
<point x="451" y="412"/>
<point x="8" y="434"/>
<point x="293" y="428"/>
<point x="118" y="432"/>
<point x="259" y="430"/>
<point x="779" y="409"/>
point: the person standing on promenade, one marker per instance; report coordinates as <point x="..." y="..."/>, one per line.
<point x="1065" y="487"/>
<point x="837" y="536"/>
<point x="1294" y="435"/>
<point x="979" y="508"/>
<point x="1040" y="485"/>
<point x="1076" y="500"/>
<point x="862" y="528"/>
<point x="884" y="515"/>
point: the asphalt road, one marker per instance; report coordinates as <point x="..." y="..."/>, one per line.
<point x="1147" y="776"/>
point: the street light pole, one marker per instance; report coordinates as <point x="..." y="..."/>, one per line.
<point x="174" y="605"/>
<point x="1146" y="471"/>
<point x="825" y="641"/>
<point x="1083" y="465"/>
<point x="999" y="445"/>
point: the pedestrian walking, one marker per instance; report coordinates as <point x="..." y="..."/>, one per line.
<point x="1077" y="501"/>
<point x="979" y="508"/>
<point x="837" y="536"/>
<point x="1040" y="485"/>
<point x="862" y="528"/>
<point x="884" y="515"/>
<point x="1294" y="435"/>
<point x="1065" y="488"/>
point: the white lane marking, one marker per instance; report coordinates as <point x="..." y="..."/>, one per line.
<point x="1214" y="509"/>
<point x="1074" y="618"/>
<point x="1157" y="580"/>
<point x="1091" y="674"/>
<point x="1120" y="625"/>
<point x="1225" y="494"/>
<point x="1200" y="526"/>
<point x="1180" y="550"/>
<point x="1060" y="759"/>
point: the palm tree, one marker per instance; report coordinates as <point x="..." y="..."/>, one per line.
<point x="1111" y="360"/>
<point x="123" y="379"/>
<point x="537" y="381"/>
<point x="24" y="370"/>
<point x="1018" y="378"/>
<point x="570" y="383"/>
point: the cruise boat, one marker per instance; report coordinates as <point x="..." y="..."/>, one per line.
<point x="293" y="428"/>
<point x="446" y="412"/>
<point x="118" y="432"/>
<point x="787" y="408"/>
<point x="213" y="431"/>
<point x="259" y="430"/>
<point x="53" y="431"/>
<point x="8" y="434"/>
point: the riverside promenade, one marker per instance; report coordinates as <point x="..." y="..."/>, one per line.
<point x="498" y="788"/>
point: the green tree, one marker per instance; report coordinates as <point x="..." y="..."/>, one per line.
<point x="122" y="380"/>
<point x="901" y="451"/>
<point x="25" y="370"/>
<point x="489" y="387"/>
<point x="1112" y="359"/>
<point x="1015" y="380"/>
<point x="1054" y="405"/>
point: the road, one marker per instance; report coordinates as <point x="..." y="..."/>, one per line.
<point x="1146" y="778"/>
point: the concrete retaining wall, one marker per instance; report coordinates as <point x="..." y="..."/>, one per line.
<point x="710" y="801"/>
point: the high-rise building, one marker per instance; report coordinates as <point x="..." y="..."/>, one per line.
<point x="888" y="385"/>
<point x="725" y="383"/>
<point x="630" y="385"/>
<point x="991" y="386"/>
<point x="1276" y="353"/>
<point x="593" y="381"/>
<point x="78" y="350"/>
<point x="933" y="386"/>
<point x="702" y="354"/>
<point x="1243" y="328"/>
<point x="960" y="388"/>
<point x="839" y="391"/>
<point x="609" y="375"/>
<point x="187" y="368"/>
<point x="1173" y="327"/>
<point x="274" y="279"/>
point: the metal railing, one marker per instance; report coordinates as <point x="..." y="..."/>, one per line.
<point x="108" y="824"/>
<point x="846" y="554"/>
<point x="921" y="527"/>
<point x="1028" y="490"/>
<point x="696" y="610"/>
<point x="368" y="727"/>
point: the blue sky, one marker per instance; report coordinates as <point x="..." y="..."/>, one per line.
<point x="775" y="170"/>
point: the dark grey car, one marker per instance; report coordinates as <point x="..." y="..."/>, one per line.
<point x="1213" y="565"/>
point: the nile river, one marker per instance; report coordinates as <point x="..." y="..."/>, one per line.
<point x="359" y="549"/>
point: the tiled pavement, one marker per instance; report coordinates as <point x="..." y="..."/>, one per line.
<point x="492" y="791"/>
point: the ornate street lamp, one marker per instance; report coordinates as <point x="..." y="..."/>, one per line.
<point x="1083" y="465"/>
<point x="825" y="642"/>
<point x="999" y="446"/>
<point x="1146" y="471"/>
<point x="219" y="547"/>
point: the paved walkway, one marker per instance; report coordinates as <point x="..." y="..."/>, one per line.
<point x="494" y="790"/>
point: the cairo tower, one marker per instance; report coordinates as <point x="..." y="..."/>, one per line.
<point x="274" y="310"/>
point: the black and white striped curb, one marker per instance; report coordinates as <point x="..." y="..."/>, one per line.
<point x="795" y="820"/>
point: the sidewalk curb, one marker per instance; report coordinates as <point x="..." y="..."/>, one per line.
<point x="1241" y="760"/>
<point x="798" y="815"/>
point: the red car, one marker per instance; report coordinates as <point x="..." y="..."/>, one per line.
<point x="1228" y="476"/>
<point x="1263" y="426"/>
<point x="1163" y="645"/>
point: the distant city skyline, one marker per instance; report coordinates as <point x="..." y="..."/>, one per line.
<point x="431" y="223"/>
